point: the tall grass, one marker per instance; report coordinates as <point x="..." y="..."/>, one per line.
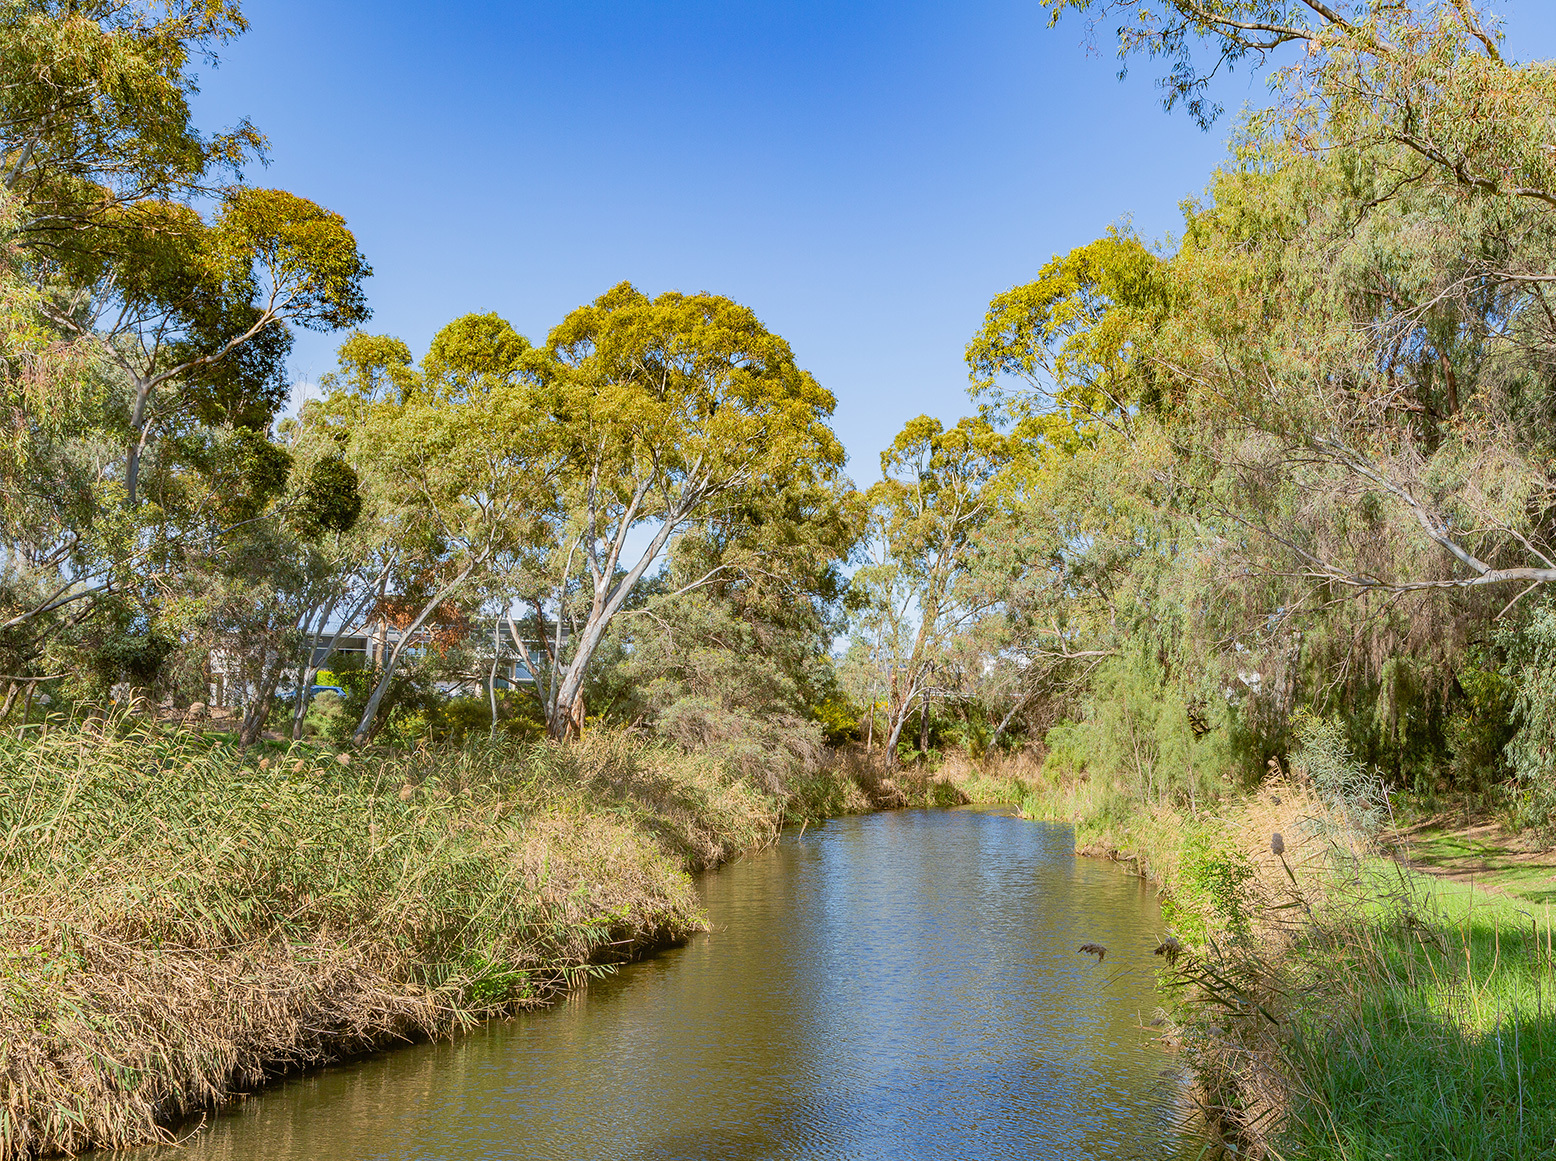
<point x="855" y="781"/>
<point x="1333" y="1004"/>
<point x="178" y="920"/>
<point x="1437" y="1039"/>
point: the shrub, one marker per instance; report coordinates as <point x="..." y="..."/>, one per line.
<point x="1212" y="896"/>
<point x="1357" y="799"/>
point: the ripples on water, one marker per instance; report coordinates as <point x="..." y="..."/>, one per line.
<point x="899" y="985"/>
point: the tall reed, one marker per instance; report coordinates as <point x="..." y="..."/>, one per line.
<point x="178" y="920"/>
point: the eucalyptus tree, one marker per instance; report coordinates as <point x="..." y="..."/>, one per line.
<point x="153" y="294"/>
<point x="461" y="455"/>
<point x="94" y="108"/>
<point x="558" y="477"/>
<point x="107" y="174"/>
<point x="346" y="558"/>
<point x="915" y="601"/>
<point x="252" y="598"/>
<point x="739" y="664"/>
<point x="669" y="413"/>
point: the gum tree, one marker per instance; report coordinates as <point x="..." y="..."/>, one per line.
<point x="924" y="516"/>
<point x="669" y="413"/>
<point x="158" y="289"/>
<point x="460" y="456"/>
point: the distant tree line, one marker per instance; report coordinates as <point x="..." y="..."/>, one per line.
<point x="1293" y="467"/>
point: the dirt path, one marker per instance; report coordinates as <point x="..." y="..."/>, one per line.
<point x="1484" y="852"/>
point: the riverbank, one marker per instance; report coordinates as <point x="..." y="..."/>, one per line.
<point x="1335" y="1003"/>
<point x="180" y="921"/>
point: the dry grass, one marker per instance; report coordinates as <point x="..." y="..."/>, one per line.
<point x="994" y="778"/>
<point x="178" y="921"/>
<point x="856" y="781"/>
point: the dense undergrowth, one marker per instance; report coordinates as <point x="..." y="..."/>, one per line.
<point x="179" y="920"/>
<point x="1335" y="1004"/>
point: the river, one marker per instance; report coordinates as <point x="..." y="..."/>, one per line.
<point x="899" y="985"/>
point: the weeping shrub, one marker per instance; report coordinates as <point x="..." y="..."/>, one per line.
<point x="1532" y="752"/>
<point x="1138" y="737"/>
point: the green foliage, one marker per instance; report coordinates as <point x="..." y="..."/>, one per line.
<point x="247" y="471"/>
<point x="1532" y="751"/>
<point x="838" y="715"/>
<point x="408" y="706"/>
<point x="914" y="599"/>
<point x="329" y="499"/>
<point x="1068" y="335"/>
<point x="1356" y="797"/>
<point x="471" y="352"/>
<point x="1479" y="728"/>
<point x="1297" y="455"/>
<point x="147" y="295"/>
<point x="1212" y="895"/>
<point x="136" y="653"/>
<point x="1138" y="739"/>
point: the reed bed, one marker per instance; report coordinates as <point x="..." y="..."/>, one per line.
<point x="855" y="781"/>
<point x="179" y="921"/>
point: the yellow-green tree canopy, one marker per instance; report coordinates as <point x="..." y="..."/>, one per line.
<point x="670" y="410"/>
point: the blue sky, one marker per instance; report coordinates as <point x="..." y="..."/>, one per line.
<point x="865" y="176"/>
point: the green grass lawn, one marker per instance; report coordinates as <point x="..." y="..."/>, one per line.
<point x="1487" y="855"/>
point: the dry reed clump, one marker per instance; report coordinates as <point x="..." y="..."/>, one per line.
<point x="995" y="777"/>
<point x="177" y="922"/>
<point x="853" y="780"/>
<point x="696" y="805"/>
<point x="106" y="1042"/>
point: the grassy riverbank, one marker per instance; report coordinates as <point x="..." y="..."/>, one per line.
<point x="1336" y="1004"/>
<point x="179" y="920"/>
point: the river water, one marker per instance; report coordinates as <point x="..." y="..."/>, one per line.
<point x="900" y="985"/>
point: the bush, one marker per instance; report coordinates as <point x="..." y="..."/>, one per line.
<point x="1479" y="729"/>
<point x="408" y="707"/>
<point x="1138" y="738"/>
<point x="1212" y="896"/>
<point x="1356" y="798"/>
<point x="771" y="751"/>
<point x="1532" y="752"/>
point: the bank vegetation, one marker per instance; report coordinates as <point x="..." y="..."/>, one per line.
<point x="181" y="920"/>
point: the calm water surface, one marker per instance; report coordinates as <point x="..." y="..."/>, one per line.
<point x="900" y="985"/>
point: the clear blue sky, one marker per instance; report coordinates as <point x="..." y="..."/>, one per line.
<point x="865" y="176"/>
